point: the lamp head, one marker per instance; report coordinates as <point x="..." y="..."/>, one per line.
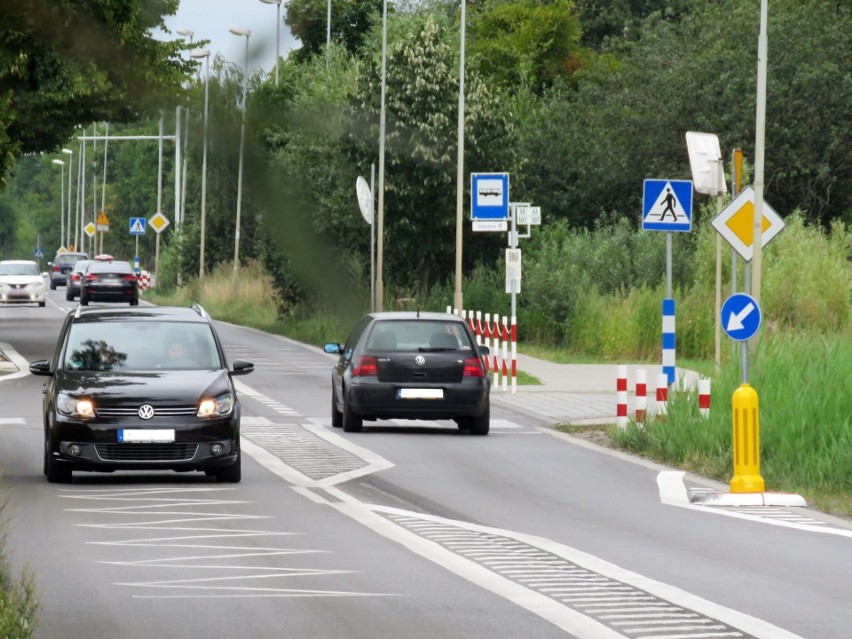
<point x="199" y="53"/>
<point x="239" y="31"/>
<point x="59" y="162"/>
<point x="186" y="33"/>
<point x="271" y="1"/>
<point x="68" y="151"/>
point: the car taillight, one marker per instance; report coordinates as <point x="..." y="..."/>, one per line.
<point x="75" y="277"/>
<point x="365" y="365"/>
<point x="56" y="269"/>
<point x="91" y="278"/>
<point x="129" y="278"/>
<point x="473" y="368"/>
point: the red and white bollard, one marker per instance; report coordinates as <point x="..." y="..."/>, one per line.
<point x="704" y="397"/>
<point x="621" y="396"/>
<point x="641" y="410"/>
<point x="514" y="354"/>
<point x="496" y="334"/>
<point x="479" y="327"/>
<point x="487" y="335"/>
<point x="662" y="395"/>
<point x="505" y="354"/>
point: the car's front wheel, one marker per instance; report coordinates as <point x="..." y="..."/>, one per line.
<point x="231" y="474"/>
<point x="56" y="473"/>
<point x="352" y="423"/>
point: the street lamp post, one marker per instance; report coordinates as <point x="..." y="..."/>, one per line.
<point x="69" y="153"/>
<point x="238" y="31"/>
<point x="277" y="33"/>
<point x="203" y="53"/>
<point x="61" y="203"/>
<point x="458" y="299"/>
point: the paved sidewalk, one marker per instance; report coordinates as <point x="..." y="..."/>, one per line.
<point x="577" y="393"/>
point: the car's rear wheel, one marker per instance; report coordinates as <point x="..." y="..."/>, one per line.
<point x="231" y="474"/>
<point x="480" y="425"/>
<point x="56" y="473"/>
<point x="84" y="299"/>
<point x="41" y="304"/>
<point x="352" y="423"/>
<point x="134" y="302"/>
<point x="336" y="415"/>
<point x="52" y="285"/>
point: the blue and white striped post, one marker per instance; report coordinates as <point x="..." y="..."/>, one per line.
<point x="669" y="339"/>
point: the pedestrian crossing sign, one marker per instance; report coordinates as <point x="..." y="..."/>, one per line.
<point x="667" y="205"/>
<point x="137" y="225"/>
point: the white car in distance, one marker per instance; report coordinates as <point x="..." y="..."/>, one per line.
<point x="21" y="282"/>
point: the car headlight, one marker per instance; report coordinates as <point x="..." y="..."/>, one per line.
<point x="217" y="406"/>
<point x="75" y="407"/>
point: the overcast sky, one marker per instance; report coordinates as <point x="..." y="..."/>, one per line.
<point x="210" y="20"/>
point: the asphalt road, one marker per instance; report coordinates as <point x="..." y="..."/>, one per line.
<point x="403" y="530"/>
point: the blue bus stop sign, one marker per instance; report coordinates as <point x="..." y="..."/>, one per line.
<point x="741" y="317"/>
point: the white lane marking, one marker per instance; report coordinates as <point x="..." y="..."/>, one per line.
<point x="219" y="552"/>
<point x="673" y="491"/>
<point x="9" y="421"/>
<point x="17" y="359"/>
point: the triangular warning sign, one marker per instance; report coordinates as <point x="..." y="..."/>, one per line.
<point x="137" y="226"/>
<point x="102" y="218"/>
<point x="667" y="208"/>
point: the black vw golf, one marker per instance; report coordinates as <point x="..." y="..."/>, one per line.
<point x="140" y="388"/>
<point x="410" y="365"/>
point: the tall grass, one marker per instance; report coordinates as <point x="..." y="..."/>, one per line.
<point x="802" y="380"/>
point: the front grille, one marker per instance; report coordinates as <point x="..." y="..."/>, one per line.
<point x="162" y="411"/>
<point x="146" y="452"/>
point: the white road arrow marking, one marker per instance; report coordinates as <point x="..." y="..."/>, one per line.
<point x="735" y="321"/>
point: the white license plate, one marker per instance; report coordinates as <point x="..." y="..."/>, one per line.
<point x="420" y="393"/>
<point x="143" y="436"/>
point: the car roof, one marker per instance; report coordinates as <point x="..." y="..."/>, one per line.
<point x="194" y="313"/>
<point x="18" y="262"/>
<point x="72" y="254"/>
<point x="99" y="266"/>
<point x="414" y="315"/>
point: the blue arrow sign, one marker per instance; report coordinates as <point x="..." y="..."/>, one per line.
<point x="489" y="196"/>
<point x="667" y="205"/>
<point x="741" y="317"/>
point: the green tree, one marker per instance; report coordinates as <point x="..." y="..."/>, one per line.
<point x="69" y="62"/>
<point x="589" y="149"/>
<point x="527" y="43"/>
<point x="350" y="22"/>
<point x="420" y="156"/>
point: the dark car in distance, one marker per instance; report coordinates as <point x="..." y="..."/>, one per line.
<point x="113" y="281"/>
<point x="62" y="265"/>
<point x="410" y="365"/>
<point x="120" y="396"/>
<point x="73" y="279"/>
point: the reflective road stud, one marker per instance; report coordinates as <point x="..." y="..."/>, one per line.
<point x="746" y="415"/>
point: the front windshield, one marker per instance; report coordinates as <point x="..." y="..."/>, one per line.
<point x="18" y="269"/>
<point x="140" y="346"/>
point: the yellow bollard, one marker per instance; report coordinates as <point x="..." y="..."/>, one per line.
<point x="746" y="477"/>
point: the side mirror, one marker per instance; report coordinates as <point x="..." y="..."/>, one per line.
<point x="40" y="367"/>
<point x="484" y="349"/>
<point x="242" y="367"/>
<point x="333" y="349"/>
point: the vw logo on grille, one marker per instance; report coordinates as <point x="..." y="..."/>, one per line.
<point x="420" y="360"/>
<point x="146" y="411"/>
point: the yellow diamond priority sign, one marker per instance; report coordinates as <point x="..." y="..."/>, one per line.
<point x="89" y="229"/>
<point x="158" y="222"/>
<point x="735" y="223"/>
